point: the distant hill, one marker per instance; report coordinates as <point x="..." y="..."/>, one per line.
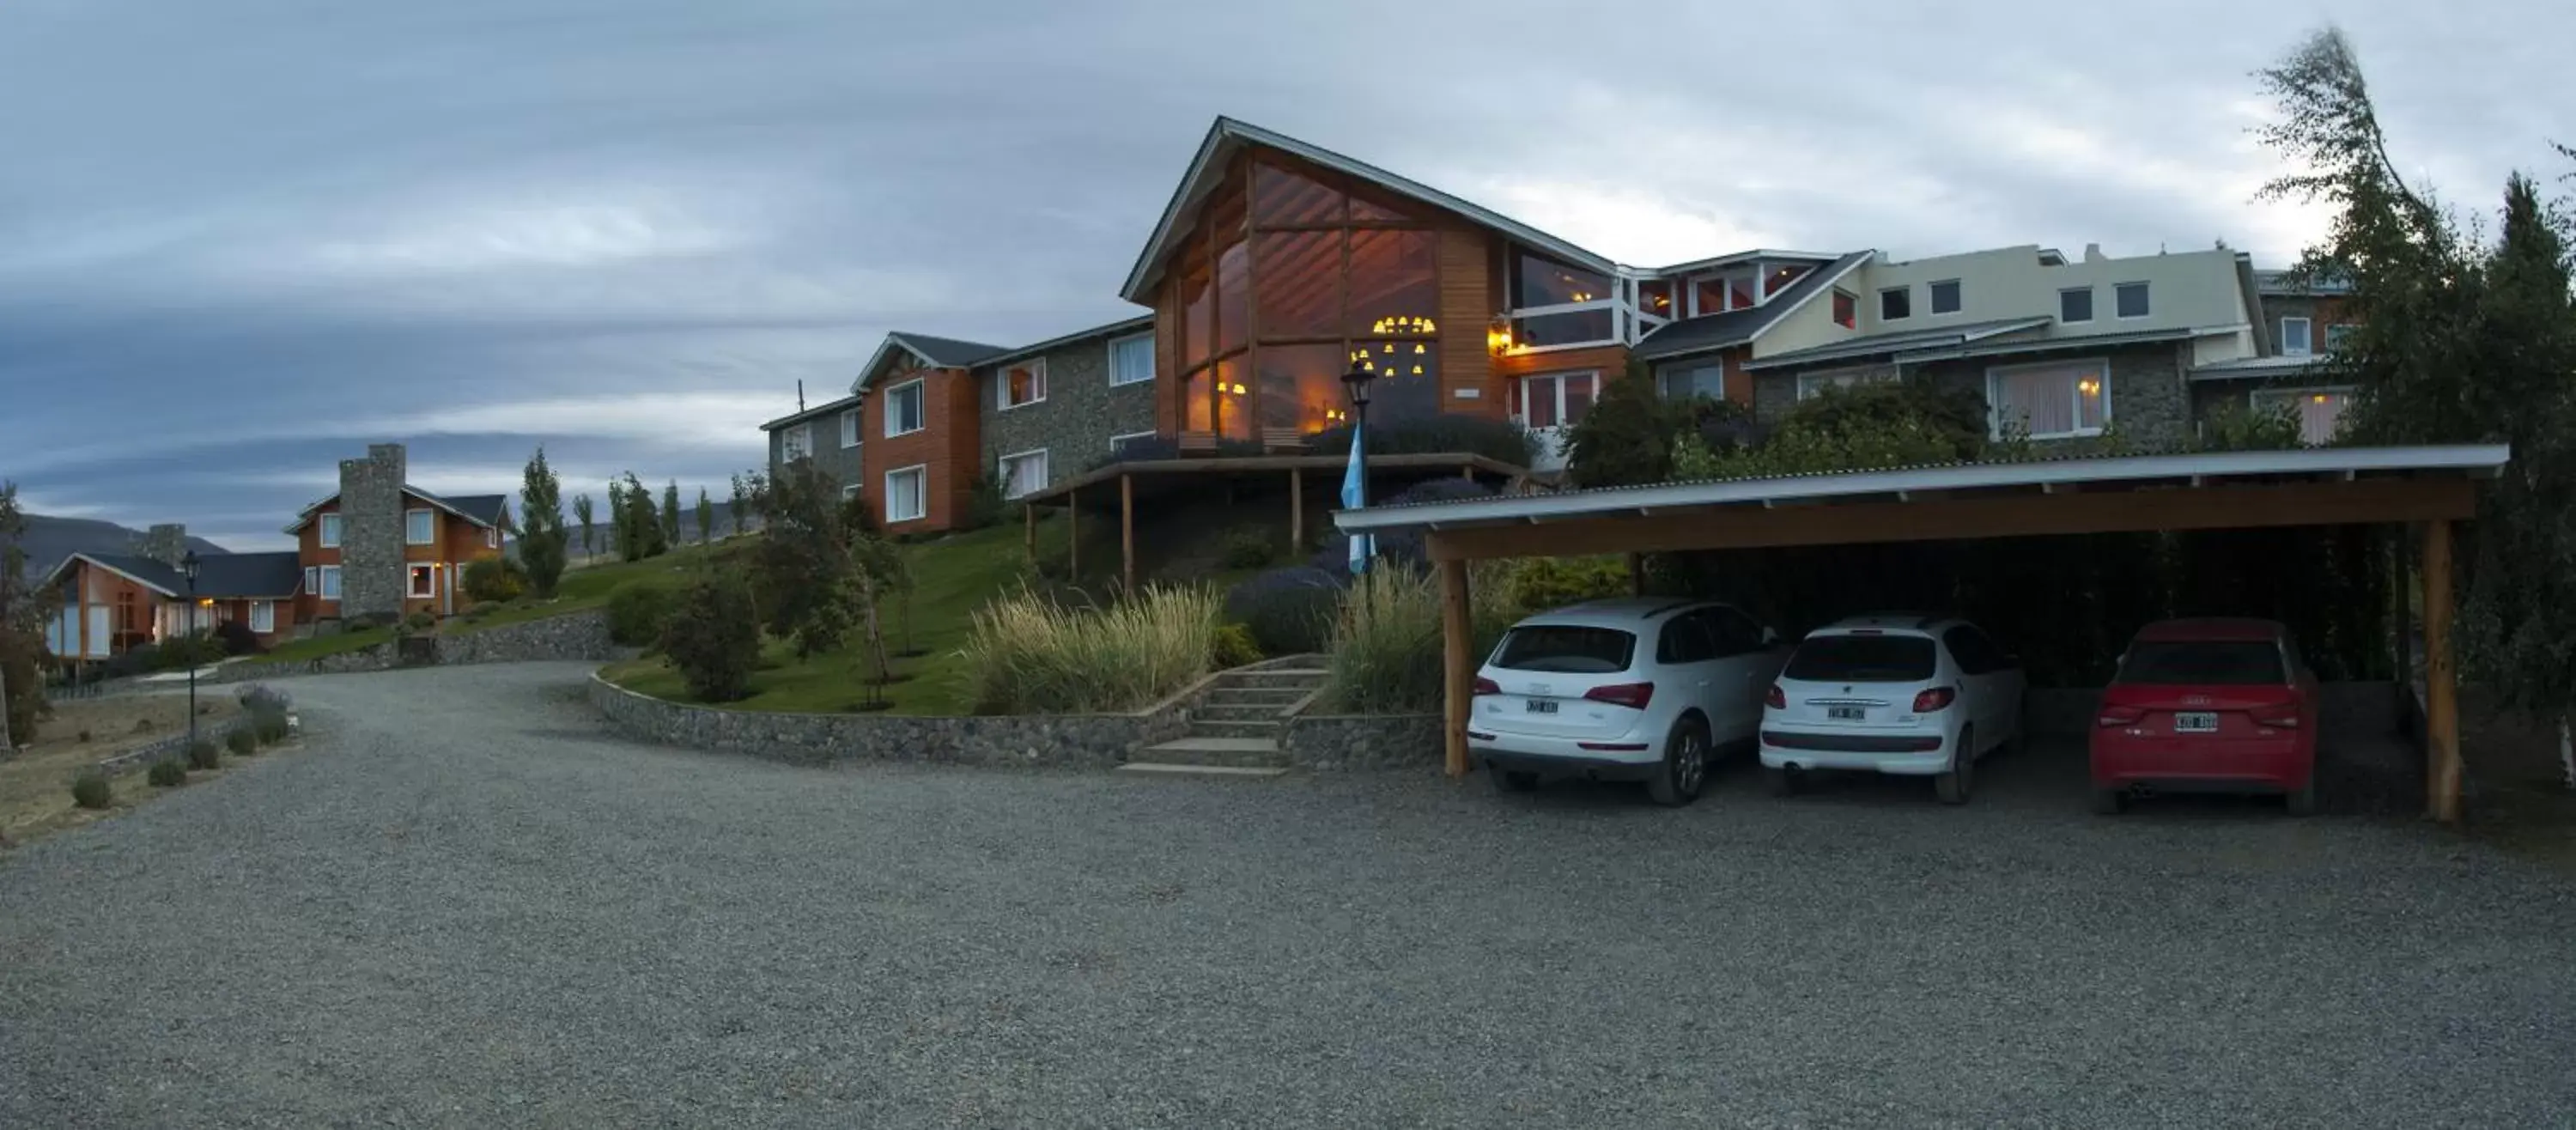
<point x="49" y="540"/>
<point x="688" y="526"/>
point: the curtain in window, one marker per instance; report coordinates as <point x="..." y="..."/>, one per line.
<point x="2042" y="399"/>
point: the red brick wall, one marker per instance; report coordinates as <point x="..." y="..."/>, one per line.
<point x="949" y="447"/>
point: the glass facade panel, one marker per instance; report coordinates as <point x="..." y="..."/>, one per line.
<point x="1301" y="388"/>
<point x="1656" y="298"/>
<point x="1575" y="327"/>
<point x="1301" y="283"/>
<point x="1234" y="400"/>
<point x="1233" y="295"/>
<point x="1391" y="282"/>
<point x="1198" y="310"/>
<point x="1538" y="281"/>
<point x="1197" y="408"/>
<point x="1408" y="384"/>
<point x="1778" y="277"/>
<point x="1283" y="197"/>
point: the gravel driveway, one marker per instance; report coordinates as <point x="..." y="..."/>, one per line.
<point x="463" y="905"/>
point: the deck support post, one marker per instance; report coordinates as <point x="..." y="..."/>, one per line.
<point x="2441" y="702"/>
<point x="1458" y="665"/>
<point x="1296" y="516"/>
<point x="1127" y="529"/>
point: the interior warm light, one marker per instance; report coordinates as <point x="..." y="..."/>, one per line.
<point x="2319" y="398"/>
<point x="2088" y="386"/>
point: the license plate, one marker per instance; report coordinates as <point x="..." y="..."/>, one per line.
<point x="1845" y="714"/>
<point x="1542" y="706"/>
<point x="2195" y="722"/>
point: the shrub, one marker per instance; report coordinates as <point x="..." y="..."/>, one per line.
<point x="236" y="638"/>
<point x="637" y="612"/>
<point x="419" y="622"/>
<point x="1246" y="547"/>
<point x="243" y="742"/>
<point x="713" y="637"/>
<point x="1232" y="647"/>
<point x="90" y="790"/>
<point x="260" y="698"/>
<point x="1542" y="583"/>
<point x="168" y="772"/>
<point x="1334" y="554"/>
<point x="1384" y="656"/>
<point x="494" y="579"/>
<point x="271" y="728"/>
<point x="182" y="652"/>
<point x="1025" y="655"/>
<point x="203" y="754"/>
<point x="1287" y="611"/>
<point x="983" y="505"/>
<point x="366" y="620"/>
<point x="481" y="609"/>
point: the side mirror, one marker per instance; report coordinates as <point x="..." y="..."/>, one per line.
<point x="1770" y="636"/>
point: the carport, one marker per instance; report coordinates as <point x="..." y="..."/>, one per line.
<point x="2426" y="488"/>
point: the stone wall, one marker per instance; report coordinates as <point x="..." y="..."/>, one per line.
<point x="580" y="635"/>
<point x="842" y="463"/>
<point x="1098" y="741"/>
<point x="166" y="543"/>
<point x="1073" y="424"/>
<point x="1363" y="741"/>
<point x="2150" y="399"/>
<point x="371" y="532"/>
<point x="175" y="745"/>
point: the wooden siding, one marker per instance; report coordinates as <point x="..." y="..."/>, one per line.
<point x="949" y="447"/>
<point x="1468" y="302"/>
<point x="1611" y="361"/>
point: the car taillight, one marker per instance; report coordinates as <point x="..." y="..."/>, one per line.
<point x="1925" y="702"/>
<point x="2283" y="716"/>
<point x="1634" y="696"/>
<point x="2120" y="716"/>
<point x="1778" y="699"/>
<point x="1487" y="686"/>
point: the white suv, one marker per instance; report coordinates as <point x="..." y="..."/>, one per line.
<point x="1902" y="694"/>
<point x="1632" y="689"/>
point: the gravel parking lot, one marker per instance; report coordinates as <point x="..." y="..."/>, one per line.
<point x="464" y="905"/>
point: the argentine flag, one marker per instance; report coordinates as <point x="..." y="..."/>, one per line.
<point x="1354" y="497"/>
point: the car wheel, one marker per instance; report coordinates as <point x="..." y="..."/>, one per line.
<point x="2109" y="802"/>
<point x="1514" y="781"/>
<point x="1685" y="766"/>
<point x="1952" y="786"/>
<point x="1780" y="780"/>
<point x="2304" y="801"/>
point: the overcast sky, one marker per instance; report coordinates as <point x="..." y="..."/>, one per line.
<point x="241" y="240"/>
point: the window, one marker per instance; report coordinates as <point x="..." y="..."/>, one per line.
<point x="1846" y="310"/>
<point x="1023" y="383"/>
<point x="1556" y="400"/>
<point x="313" y="579"/>
<point x="1702" y="381"/>
<point x="2336" y="333"/>
<point x="1733" y="290"/>
<point x="424" y="580"/>
<point x="420" y="527"/>
<point x="1736" y="633"/>
<point x="330" y="536"/>
<point x="1685" y="640"/>
<point x="1655" y="298"/>
<point x="1565" y="648"/>
<point x="263" y="616"/>
<point x="2075" y="304"/>
<point x="1862" y="659"/>
<point x="1578" y="327"/>
<point x="1118" y="444"/>
<point x="2050" y="401"/>
<point x="1579" y="306"/>
<point x="796" y="443"/>
<point x="1779" y="277"/>
<point x="850" y="428"/>
<point x="849" y="492"/>
<point x="2294" y="337"/>
<point x="1024" y="473"/>
<point x="1131" y="360"/>
<point x="2129" y="300"/>
<point x="491" y="537"/>
<point x="1895" y="303"/>
<point x="1539" y="281"/>
<point x="904" y="497"/>
<point x="328" y="586"/>
<point x="903" y="410"/>
<point x="1812" y="385"/>
<point x="2320" y="410"/>
<point x="1945" y="296"/>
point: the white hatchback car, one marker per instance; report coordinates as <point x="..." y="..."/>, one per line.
<point x="1630" y="689"/>
<point x="1901" y="694"/>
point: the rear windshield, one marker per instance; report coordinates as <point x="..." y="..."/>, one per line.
<point x="1862" y="659"/>
<point x="2208" y="663"/>
<point x="1566" y="648"/>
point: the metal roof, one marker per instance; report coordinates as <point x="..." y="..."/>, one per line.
<point x="1902" y="483"/>
<point x="824" y="409"/>
<point x="1736" y="327"/>
<point x="1733" y="258"/>
<point x="2244" y="367"/>
<point x="1119" y="328"/>
<point x="219" y="575"/>
<point x="480" y="509"/>
<point x="1902" y="341"/>
<point x="937" y="352"/>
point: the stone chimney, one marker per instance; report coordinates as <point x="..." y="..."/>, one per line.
<point x="2093" y="253"/>
<point x="371" y="532"/>
<point x="165" y="543"/>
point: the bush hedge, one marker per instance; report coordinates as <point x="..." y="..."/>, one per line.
<point x="167" y="772"/>
<point x="91" y="790"/>
<point x="243" y="741"/>
<point x="493" y="580"/>
<point x="1232" y="647"/>
<point x="637" y="613"/>
<point x="712" y="635"/>
<point x="1027" y="655"/>
<point x="203" y="755"/>
<point x="1287" y="611"/>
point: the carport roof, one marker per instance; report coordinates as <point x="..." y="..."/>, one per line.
<point x="2087" y="474"/>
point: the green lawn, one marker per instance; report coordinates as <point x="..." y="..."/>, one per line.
<point x="297" y="651"/>
<point x="952" y="578"/>
<point x="589" y="587"/>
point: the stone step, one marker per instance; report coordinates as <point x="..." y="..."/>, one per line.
<point x="1303" y="677"/>
<point x="1280" y="697"/>
<point x="1238" y="712"/>
<point x="1159" y="769"/>
<point x="1258" y="753"/>
<point x="1203" y="727"/>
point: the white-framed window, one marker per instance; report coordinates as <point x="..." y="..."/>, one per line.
<point x="904" y="407"/>
<point x="1812" y="385"/>
<point x="2294" y="338"/>
<point x="1131" y="359"/>
<point x="1945" y="296"/>
<point x="2336" y="332"/>
<point x="1694" y="381"/>
<point x="1895" y="303"/>
<point x="1024" y="473"/>
<point x="327" y="585"/>
<point x="850" y="427"/>
<point x="313" y="579"/>
<point x="420" y="527"/>
<point x="795" y="443"/>
<point x="1846" y="309"/>
<point x="1557" y="400"/>
<point x="2320" y="410"/>
<point x="1021" y="383"/>
<point x="329" y="536"/>
<point x="2050" y="400"/>
<point x="491" y="537"/>
<point x="263" y="616"/>
<point x="2075" y="304"/>
<point x="1556" y="305"/>
<point x="906" y="499"/>
<point x="2129" y="300"/>
<point x="423" y="580"/>
<point x="1118" y="443"/>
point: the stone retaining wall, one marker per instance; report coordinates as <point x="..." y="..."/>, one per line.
<point x="1363" y="741"/>
<point x="176" y="745"/>
<point x="1098" y="741"/>
<point x="580" y="635"/>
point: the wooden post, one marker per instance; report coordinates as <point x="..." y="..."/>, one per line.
<point x="1073" y="536"/>
<point x="2441" y="706"/>
<point x="1469" y="471"/>
<point x="1127" y="528"/>
<point x="1458" y="665"/>
<point x="2401" y="630"/>
<point x="1636" y="574"/>
<point x="1296" y="514"/>
<point x="1030" y="512"/>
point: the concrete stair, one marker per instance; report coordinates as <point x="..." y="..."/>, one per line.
<point x="1235" y="726"/>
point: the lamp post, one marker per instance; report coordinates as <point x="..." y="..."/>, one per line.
<point x="1355" y="480"/>
<point x="188" y="569"/>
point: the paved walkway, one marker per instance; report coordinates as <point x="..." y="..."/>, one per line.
<point x="463" y="905"/>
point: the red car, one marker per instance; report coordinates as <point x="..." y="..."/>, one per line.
<point x="2208" y="706"/>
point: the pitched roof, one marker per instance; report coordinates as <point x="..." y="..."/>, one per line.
<point x="824" y="409"/>
<point x="1228" y="136"/>
<point x="1114" y="329"/>
<point x="1903" y="341"/>
<point x="480" y="509"/>
<point x="219" y="575"/>
<point x="940" y="352"/>
<point x="1736" y="327"/>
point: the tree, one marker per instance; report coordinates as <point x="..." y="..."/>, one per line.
<point x="878" y="573"/>
<point x="644" y="534"/>
<point x="24" y="609"/>
<point x="541" y="526"/>
<point x="804" y="559"/>
<point x="706" y="517"/>
<point x="671" y="513"/>
<point x="618" y="538"/>
<point x="713" y="637"/>
<point x="1628" y="436"/>
<point x="581" y="513"/>
<point x="741" y="503"/>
